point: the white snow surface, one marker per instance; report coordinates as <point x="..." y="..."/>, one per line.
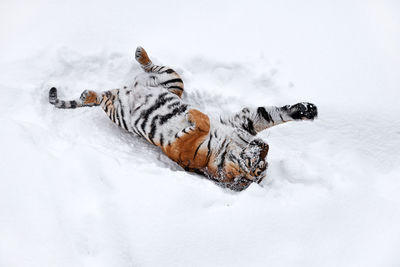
<point x="75" y="190"/>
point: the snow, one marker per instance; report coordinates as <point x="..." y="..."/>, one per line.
<point x="78" y="191"/>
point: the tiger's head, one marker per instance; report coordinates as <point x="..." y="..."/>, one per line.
<point x="243" y="166"/>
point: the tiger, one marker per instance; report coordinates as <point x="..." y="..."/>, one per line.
<point x="224" y="149"/>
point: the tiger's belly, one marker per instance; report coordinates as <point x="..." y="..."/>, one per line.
<point x="187" y="146"/>
<point x="164" y="120"/>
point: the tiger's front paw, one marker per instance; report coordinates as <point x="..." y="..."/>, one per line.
<point x="89" y="98"/>
<point x="303" y="111"/>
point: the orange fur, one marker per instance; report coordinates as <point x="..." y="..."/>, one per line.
<point x="183" y="149"/>
<point x="177" y="92"/>
<point x="144" y="58"/>
<point x="91" y="98"/>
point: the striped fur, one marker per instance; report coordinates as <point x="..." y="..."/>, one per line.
<point x="224" y="149"/>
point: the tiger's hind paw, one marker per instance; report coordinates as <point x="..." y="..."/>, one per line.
<point x="303" y="111"/>
<point x="142" y="57"/>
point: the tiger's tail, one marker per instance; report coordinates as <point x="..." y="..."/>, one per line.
<point x="87" y="99"/>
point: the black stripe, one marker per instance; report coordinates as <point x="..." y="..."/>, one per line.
<point x="172" y="81"/>
<point x="265" y="114"/>
<point x="151" y="140"/>
<point x="148" y="111"/>
<point x="160" y="102"/>
<point x="138" y="107"/>
<point x="107" y="103"/>
<point x="249" y="127"/>
<point x="175" y="112"/>
<point x="116" y="110"/>
<point x="282" y="118"/>
<point x="221" y="163"/>
<point x="250" y="124"/>
<point x="209" y="148"/>
<point x="123" y="120"/>
<point x="173" y="104"/>
<point x="197" y="149"/>
<point x="242" y="139"/>
<point x="73" y="104"/>
<point x="153" y="127"/>
<point x="62" y="104"/>
<point x="161" y="140"/>
<point x="222" y="146"/>
<point x="169" y="71"/>
<point x="137" y="131"/>
<point x="122" y="115"/>
<point x="134" y="130"/>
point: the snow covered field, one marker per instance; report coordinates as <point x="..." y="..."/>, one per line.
<point x="77" y="191"/>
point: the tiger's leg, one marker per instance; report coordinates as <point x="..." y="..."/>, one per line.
<point x="165" y="77"/>
<point x="108" y="100"/>
<point x="112" y="105"/>
<point x="254" y="120"/>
